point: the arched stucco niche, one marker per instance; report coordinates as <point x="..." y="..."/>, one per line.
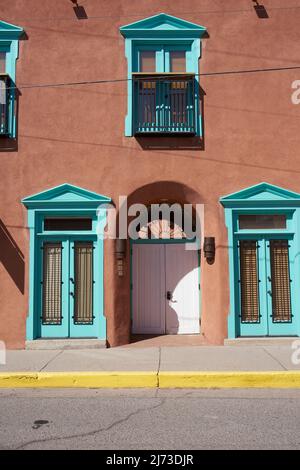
<point x="119" y="288"/>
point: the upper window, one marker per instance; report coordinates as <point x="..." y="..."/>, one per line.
<point x="177" y="61"/>
<point x="147" y="61"/>
<point x="67" y="224"/>
<point x="9" y="45"/>
<point x="262" y="222"/>
<point x="161" y="59"/>
<point x="2" y="61"/>
<point x="163" y="76"/>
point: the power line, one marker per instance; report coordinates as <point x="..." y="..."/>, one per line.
<point x="204" y="74"/>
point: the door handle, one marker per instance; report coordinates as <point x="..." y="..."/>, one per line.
<point x="269" y="292"/>
<point x="72" y="294"/>
<point x="169" y="295"/>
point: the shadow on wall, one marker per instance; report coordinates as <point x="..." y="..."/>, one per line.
<point x="12" y="258"/>
<point x="176" y="142"/>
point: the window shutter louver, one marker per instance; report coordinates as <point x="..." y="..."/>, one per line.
<point x="280" y="277"/>
<point x="249" y="281"/>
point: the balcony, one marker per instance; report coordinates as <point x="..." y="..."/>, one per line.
<point x="164" y="103"/>
<point x="4" y="103"/>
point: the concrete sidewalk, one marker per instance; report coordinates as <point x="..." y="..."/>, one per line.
<point x="194" y="358"/>
<point x="196" y="366"/>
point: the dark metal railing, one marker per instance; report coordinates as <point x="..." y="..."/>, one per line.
<point x="164" y="104"/>
<point x="4" y="104"/>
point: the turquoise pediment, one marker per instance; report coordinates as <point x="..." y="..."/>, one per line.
<point x="64" y="194"/>
<point x="161" y="23"/>
<point x="260" y="193"/>
<point x="9" y="31"/>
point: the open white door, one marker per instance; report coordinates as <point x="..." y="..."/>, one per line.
<point x="182" y="287"/>
<point x="148" y="289"/>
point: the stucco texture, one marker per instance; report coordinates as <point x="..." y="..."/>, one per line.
<point x="75" y="134"/>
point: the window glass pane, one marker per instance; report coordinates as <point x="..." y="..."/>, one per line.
<point x="147" y="61"/>
<point x="262" y="222"/>
<point x="67" y="224"/>
<point x="177" y="61"/>
<point x="2" y="62"/>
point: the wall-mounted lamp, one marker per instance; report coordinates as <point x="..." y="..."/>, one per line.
<point x="120" y="253"/>
<point x="79" y="11"/>
<point x="260" y="10"/>
<point x="209" y="249"/>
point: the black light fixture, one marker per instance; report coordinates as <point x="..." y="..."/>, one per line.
<point x="120" y="252"/>
<point x="79" y="11"/>
<point x="260" y="10"/>
<point x="209" y="249"/>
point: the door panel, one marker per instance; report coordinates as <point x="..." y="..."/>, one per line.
<point x="252" y="289"/>
<point x="83" y="282"/>
<point x="54" y="310"/>
<point x="280" y="316"/>
<point x="148" y="289"/>
<point x="265" y="287"/>
<point x="67" y="294"/>
<point x="182" y="282"/>
<point x="83" y="322"/>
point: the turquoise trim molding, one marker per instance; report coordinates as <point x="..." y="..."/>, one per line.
<point x="263" y="198"/>
<point x="65" y="200"/>
<point x="158" y="31"/>
<point x="9" y="43"/>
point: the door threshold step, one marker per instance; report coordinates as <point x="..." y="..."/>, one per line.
<point x="261" y="341"/>
<point x="58" y="344"/>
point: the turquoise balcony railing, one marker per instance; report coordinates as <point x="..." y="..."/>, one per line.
<point x="4" y="103"/>
<point x="164" y="103"/>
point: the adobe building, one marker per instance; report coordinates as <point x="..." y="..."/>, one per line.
<point x="153" y="104"/>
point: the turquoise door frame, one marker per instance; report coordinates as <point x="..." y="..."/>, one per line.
<point x="65" y="201"/>
<point x="266" y="326"/>
<point x="263" y="199"/>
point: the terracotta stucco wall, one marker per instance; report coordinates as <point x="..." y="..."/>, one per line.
<point x="75" y="134"/>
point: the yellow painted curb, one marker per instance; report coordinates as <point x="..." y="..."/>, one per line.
<point x="242" y="379"/>
<point x="128" y="379"/>
<point x="78" y="379"/>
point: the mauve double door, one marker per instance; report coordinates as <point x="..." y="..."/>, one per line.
<point x="165" y="289"/>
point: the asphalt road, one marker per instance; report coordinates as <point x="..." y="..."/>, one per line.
<point x="149" y="419"/>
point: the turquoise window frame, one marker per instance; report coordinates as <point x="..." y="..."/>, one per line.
<point x="9" y="43"/>
<point x="65" y="201"/>
<point x="162" y="30"/>
<point x="262" y="198"/>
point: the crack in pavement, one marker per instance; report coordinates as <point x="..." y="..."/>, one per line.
<point x="275" y="358"/>
<point x="50" y="360"/>
<point x="91" y="433"/>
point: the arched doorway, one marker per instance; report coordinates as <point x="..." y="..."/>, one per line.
<point x="165" y="272"/>
<point x="119" y="289"/>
